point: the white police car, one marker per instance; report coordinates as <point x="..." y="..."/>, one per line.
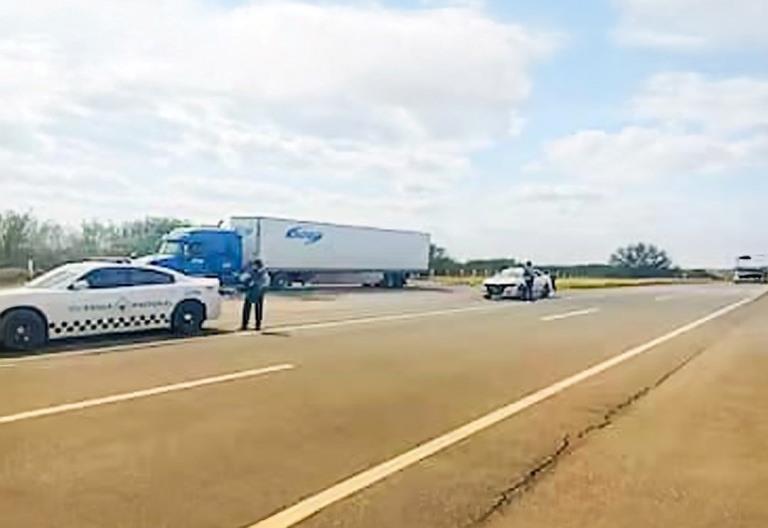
<point x="103" y="297"/>
<point x="510" y="282"/>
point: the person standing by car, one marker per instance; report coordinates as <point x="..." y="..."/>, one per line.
<point x="255" y="283"/>
<point x="552" y="279"/>
<point x="530" y="277"/>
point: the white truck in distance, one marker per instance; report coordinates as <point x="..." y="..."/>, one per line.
<point x="751" y="268"/>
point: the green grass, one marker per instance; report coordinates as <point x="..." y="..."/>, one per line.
<point x="578" y="283"/>
<point x="585" y="283"/>
<point x="12" y="276"/>
<point x="460" y="281"/>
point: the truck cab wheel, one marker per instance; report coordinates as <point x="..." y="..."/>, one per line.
<point x="23" y="329"/>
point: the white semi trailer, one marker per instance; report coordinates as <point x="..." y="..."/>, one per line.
<point x="319" y="252"/>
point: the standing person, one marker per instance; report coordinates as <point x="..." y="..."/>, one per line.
<point x="530" y="276"/>
<point x="255" y="283"/>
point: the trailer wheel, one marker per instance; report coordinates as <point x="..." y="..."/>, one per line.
<point x="278" y="281"/>
<point x="23" y="329"/>
<point x="188" y="318"/>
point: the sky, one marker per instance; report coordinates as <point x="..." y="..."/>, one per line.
<point x="554" y="130"/>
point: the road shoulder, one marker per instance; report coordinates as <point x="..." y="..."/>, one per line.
<point x="691" y="453"/>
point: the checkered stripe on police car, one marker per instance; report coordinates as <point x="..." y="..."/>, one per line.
<point x="107" y="324"/>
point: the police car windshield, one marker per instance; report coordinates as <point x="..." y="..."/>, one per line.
<point x="57" y="278"/>
<point x="171" y="247"/>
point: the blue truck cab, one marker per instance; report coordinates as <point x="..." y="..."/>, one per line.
<point x="202" y="251"/>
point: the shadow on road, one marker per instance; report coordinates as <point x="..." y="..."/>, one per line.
<point x="91" y="343"/>
<point x="333" y="292"/>
<point x="159" y="337"/>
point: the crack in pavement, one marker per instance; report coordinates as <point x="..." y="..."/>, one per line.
<point x="566" y="445"/>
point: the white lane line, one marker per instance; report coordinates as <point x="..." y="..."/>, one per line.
<point x="566" y="315"/>
<point x="663" y="298"/>
<point x="313" y="504"/>
<point x="287" y="328"/>
<point x="589" y="296"/>
<point x="381" y="319"/>
<point x="154" y="391"/>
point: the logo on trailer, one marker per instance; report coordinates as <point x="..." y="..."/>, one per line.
<point x="309" y="236"/>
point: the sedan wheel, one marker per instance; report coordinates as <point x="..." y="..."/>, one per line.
<point x="188" y="318"/>
<point x="23" y="330"/>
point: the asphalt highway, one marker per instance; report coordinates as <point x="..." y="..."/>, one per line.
<point x="421" y="408"/>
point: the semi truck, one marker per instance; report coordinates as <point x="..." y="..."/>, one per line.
<point x="296" y="251"/>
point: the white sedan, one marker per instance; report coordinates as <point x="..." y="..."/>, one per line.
<point x="510" y="282"/>
<point x="101" y="297"/>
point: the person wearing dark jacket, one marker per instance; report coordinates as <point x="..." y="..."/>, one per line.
<point x="530" y="278"/>
<point x="255" y="283"/>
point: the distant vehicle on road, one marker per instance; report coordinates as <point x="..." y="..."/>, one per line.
<point x="510" y="282"/>
<point x="751" y="268"/>
<point x="104" y="297"/>
<point x="296" y="251"/>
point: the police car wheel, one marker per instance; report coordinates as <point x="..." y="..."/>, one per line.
<point x="23" y="330"/>
<point x="493" y="292"/>
<point x="188" y="318"/>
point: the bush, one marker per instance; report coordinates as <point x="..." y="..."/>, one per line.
<point x="9" y="276"/>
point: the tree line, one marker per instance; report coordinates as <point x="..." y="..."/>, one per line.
<point x="23" y="236"/>
<point x="639" y="260"/>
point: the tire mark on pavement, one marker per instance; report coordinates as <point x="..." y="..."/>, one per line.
<point x="567" y="446"/>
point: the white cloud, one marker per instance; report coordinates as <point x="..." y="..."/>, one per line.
<point x="557" y="194"/>
<point x="641" y="154"/>
<point x="477" y="4"/>
<point x="692" y="100"/>
<point x="687" y="25"/>
<point x="274" y="102"/>
<point x="691" y="125"/>
<point x="684" y="172"/>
